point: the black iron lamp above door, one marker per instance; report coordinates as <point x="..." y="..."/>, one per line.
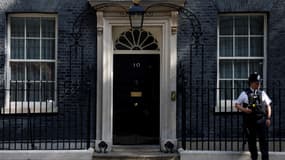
<point x="136" y="15"/>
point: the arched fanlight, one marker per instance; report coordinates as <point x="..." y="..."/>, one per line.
<point x="136" y="15"/>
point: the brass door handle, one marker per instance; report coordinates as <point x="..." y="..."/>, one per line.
<point x="173" y="96"/>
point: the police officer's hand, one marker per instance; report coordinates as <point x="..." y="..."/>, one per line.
<point x="240" y="108"/>
<point x="247" y="110"/>
<point x="268" y="122"/>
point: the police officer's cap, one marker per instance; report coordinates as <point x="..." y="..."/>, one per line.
<point x="254" y="77"/>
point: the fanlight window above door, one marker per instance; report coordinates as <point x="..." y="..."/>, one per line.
<point x="136" y="40"/>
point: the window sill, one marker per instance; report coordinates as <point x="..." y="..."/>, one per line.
<point x="29" y="107"/>
<point x="225" y="106"/>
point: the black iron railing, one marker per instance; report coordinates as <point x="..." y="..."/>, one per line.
<point x="59" y="116"/>
<point x="45" y="116"/>
<point x="209" y="120"/>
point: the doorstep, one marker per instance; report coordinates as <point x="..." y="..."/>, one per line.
<point x="133" y="152"/>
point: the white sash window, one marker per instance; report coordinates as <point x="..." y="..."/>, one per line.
<point x="31" y="66"/>
<point x="241" y="51"/>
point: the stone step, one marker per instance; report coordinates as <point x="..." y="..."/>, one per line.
<point x="136" y="148"/>
<point x="135" y="153"/>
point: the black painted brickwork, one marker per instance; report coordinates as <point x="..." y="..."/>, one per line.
<point x="206" y="11"/>
<point x="71" y="118"/>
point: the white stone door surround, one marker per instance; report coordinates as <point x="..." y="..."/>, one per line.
<point x="167" y="22"/>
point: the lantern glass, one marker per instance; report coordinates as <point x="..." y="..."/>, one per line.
<point x="136" y="21"/>
<point x="136" y="15"/>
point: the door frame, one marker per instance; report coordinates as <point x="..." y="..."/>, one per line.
<point x="168" y="62"/>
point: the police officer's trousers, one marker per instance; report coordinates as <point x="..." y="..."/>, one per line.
<point x="260" y="130"/>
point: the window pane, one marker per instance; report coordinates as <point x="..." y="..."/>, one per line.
<point x="17" y="91"/>
<point x="17" y="49"/>
<point x="32" y="38"/>
<point x="33" y="27"/>
<point x="47" y="71"/>
<point x="33" y="71"/>
<point x="48" y="27"/>
<point x="244" y="46"/>
<point x="226" y="47"/>
<point x="33" y="91"/>
<point x="17" y="27"/>
<point x="18" y="71"/>
<point x="256" y="25"/>
<point x="241" y="69"/>
<point x="226" y="25"/>
<point x="33" y="49"/>
<point x="241" y="46"/>
<point x="256" y="47"/>
<point x="225" y="89"/>
<point x="241" y="25"/>
<point x="47" y="91"/>
<point x="48" y="49"/>
<point x="239" y="86"/>
<point x="256" y="66"/>
<point x="226" y="69"/>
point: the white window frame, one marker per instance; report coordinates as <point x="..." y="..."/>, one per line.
<point x="13" y="107"/>
<point x="228" y="105"/>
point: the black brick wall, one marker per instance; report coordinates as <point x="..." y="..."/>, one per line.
<point x="71" y="118"/>
<point x="207" y="12"/>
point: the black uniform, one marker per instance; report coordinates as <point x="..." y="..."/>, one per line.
<point x="255" y="124"/>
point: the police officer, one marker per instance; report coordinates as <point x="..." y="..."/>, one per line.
<point x="255" y="104"/>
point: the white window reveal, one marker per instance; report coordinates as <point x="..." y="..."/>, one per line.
<point x="31" y="66"/>
<point x="241" y="51"/>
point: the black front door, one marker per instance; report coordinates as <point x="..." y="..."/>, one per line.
<point x="136" y="99"/>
